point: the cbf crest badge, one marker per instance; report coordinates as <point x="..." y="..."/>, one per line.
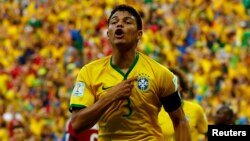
<point x="143" y="82"/>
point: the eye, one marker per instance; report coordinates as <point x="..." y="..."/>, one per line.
<point x="113" y="22"/>
<point x="128" y="22"/>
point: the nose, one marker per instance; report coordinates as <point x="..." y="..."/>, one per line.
<point x="119" y="24"/>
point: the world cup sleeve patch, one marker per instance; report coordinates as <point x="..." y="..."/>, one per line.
<point x="175" y="81"/>
<point x="78" y="89"/>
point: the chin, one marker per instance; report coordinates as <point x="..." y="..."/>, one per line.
<point x="122" y="46"/>
<point x="120" y="42"/>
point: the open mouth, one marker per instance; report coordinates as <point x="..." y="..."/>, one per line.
<point x="119" y="33"/>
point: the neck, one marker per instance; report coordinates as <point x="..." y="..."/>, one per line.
<point x="123" y="59"/>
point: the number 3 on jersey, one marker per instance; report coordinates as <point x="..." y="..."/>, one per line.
<point x="129" y="108"/>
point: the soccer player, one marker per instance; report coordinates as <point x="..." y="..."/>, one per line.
<point x="124" y="92"/>
<point x="194" y="113"/>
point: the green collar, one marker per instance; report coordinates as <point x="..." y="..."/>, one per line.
<point x="130" y="68"/>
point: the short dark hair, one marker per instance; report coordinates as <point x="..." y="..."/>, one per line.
<point x="129" y="9"/>
<point x="181" y="78"/>
<point x="228" y="115"/>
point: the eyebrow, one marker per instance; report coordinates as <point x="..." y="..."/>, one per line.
<point x="127" y="17"/>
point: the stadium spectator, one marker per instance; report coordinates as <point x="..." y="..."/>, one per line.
<point x="19" y="133"/>
<point x="224" y="115"/>
<point x="4" y="133"/>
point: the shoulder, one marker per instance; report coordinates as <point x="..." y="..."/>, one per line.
<point x="97" y="64"/>
<point x="151" y="62"/>
<point x="93" y="68"/>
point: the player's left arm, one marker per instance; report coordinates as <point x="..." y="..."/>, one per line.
<point x="181" y="126"/>
<point x="172" y="103"/>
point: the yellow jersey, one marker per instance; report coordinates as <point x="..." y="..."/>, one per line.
<point x="135" y="118"/>
<point x="196" y="118"/>
<point x="4" y="134"/>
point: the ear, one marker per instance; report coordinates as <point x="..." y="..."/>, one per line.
<point x="139" y="34"/>
<point x="108" y="35"/>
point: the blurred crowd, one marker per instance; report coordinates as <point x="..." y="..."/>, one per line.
<point x="44" y="43"/>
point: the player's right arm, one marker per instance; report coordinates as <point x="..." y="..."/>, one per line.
<point x="85" y="111"/>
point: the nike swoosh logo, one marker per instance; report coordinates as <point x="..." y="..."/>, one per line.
<point x="105" y="88"/>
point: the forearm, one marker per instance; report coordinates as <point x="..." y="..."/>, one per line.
<point x="182" y="131"/>
<point x="88" y="117"/>
<point x="181" y="125"/>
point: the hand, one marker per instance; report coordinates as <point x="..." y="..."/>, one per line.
<point x="121" y="90"/>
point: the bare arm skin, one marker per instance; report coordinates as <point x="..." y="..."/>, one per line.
<point x="86" y="118"/>
<point x="181" y="126"/>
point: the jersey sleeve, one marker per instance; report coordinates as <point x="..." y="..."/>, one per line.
<point x="168" y="83"/>
<point x="202" y="120"/>
<point x="82" y="95"/>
